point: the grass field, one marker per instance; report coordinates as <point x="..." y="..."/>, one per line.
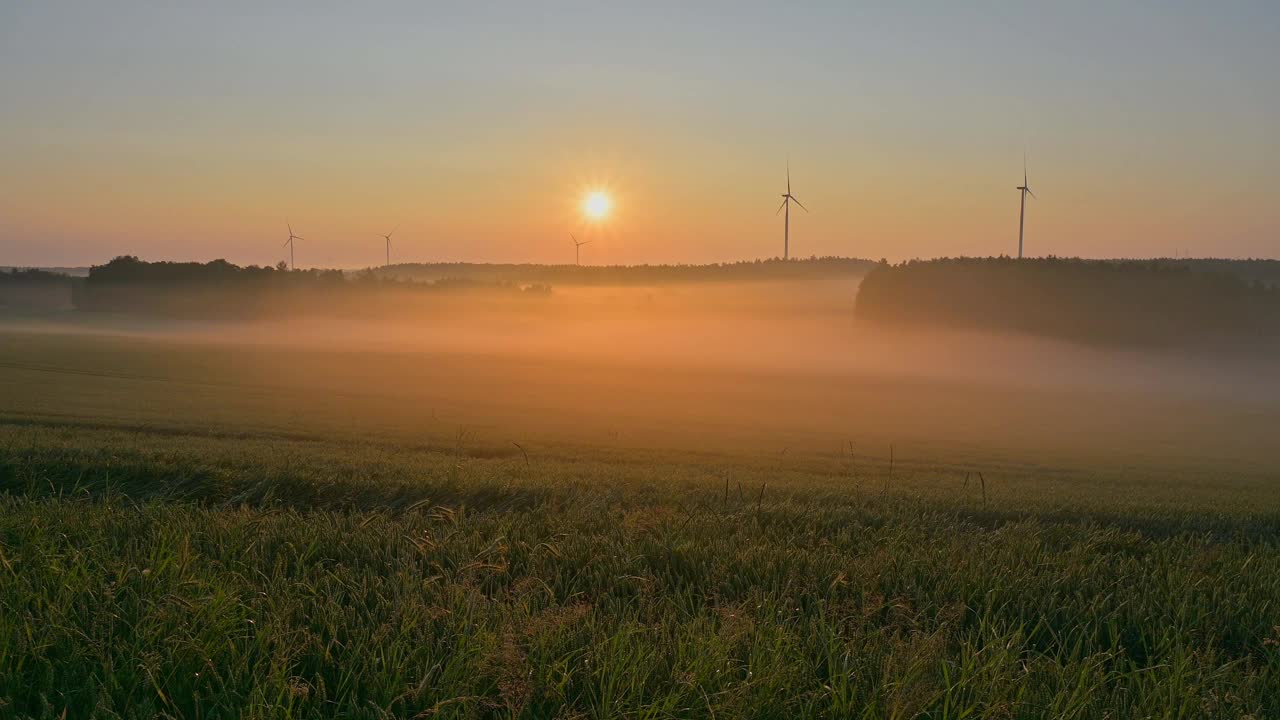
<point x="218" y="530"/>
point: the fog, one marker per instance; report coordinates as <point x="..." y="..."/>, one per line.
<point x="752" y="367"/>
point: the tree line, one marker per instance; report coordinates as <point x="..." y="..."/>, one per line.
<point x="747" y="270"/>
<point x="219" y="288"/>
<point x="1126" y="302"/>
<point x="34" y="289"/>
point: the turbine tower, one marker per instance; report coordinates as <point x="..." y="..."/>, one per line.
<point x="577" y="249"/>
<point x="1025" y="189"/>
<point x="787" y="199"/>
<point x="289" y="242"/>
<point x="388" y="239"/>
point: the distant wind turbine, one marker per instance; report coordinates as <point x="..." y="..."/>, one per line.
<point x="577" y="249"/>
<point x="289" y="242"/>
<point x="1025" y="189"/>
<point x="388" y="239"/>
<point x="787" y="199"/>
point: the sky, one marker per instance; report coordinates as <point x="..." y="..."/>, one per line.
<point x="195" y="131"/>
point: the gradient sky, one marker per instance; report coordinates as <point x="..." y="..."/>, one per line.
<point x="194" y="130"/>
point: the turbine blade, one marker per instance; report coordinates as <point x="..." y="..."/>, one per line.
<point x="784" y="204"/>
<point x="575" y="239"/>
<point x="1033" y="195"/>
<point x="286" y="242"/>
<point x="798" y="203"/>
<point x="585" y="242"/>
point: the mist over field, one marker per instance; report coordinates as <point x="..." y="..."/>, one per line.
<point x="768" y="366"/>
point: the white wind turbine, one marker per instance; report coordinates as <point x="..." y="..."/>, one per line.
<point x="289" y="242"/>
<point x="387" y="237"/>
<point x="1025" y="189"/>
<point x="787" y="199"/>
<point x="577" y="249"/>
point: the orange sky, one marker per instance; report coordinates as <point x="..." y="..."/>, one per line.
<point x="1147" y="135"/>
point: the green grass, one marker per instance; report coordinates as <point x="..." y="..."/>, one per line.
<point x="151" y="573"/>
<point x="203" y="532"/>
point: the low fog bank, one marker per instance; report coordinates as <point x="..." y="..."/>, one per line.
<point x="785" y="329"/>
<point x="760" y="367"/>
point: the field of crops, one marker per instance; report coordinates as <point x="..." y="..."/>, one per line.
<point x="189" y="532"/>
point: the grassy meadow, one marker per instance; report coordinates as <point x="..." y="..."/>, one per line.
<point x="199" y="525"/>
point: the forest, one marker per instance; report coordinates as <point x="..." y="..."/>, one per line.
<point x="1109" y="302"/>
<point x="219" y="289"/>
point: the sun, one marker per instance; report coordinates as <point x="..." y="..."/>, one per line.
<point x="596" y="205"/>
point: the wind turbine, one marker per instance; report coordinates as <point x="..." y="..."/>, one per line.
<point x="787" y="199"/>
<point x="1025" y="189"/>
<point x="577" y="249"/>
<point x="289" y="242"/>
<point x="388" y="238"/>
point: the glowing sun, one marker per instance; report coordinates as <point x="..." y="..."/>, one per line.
<point x="596" y="205"/>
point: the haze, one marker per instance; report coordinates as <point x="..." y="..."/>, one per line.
<point x="743" y="368"/>
<point x="193" y="131"/>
